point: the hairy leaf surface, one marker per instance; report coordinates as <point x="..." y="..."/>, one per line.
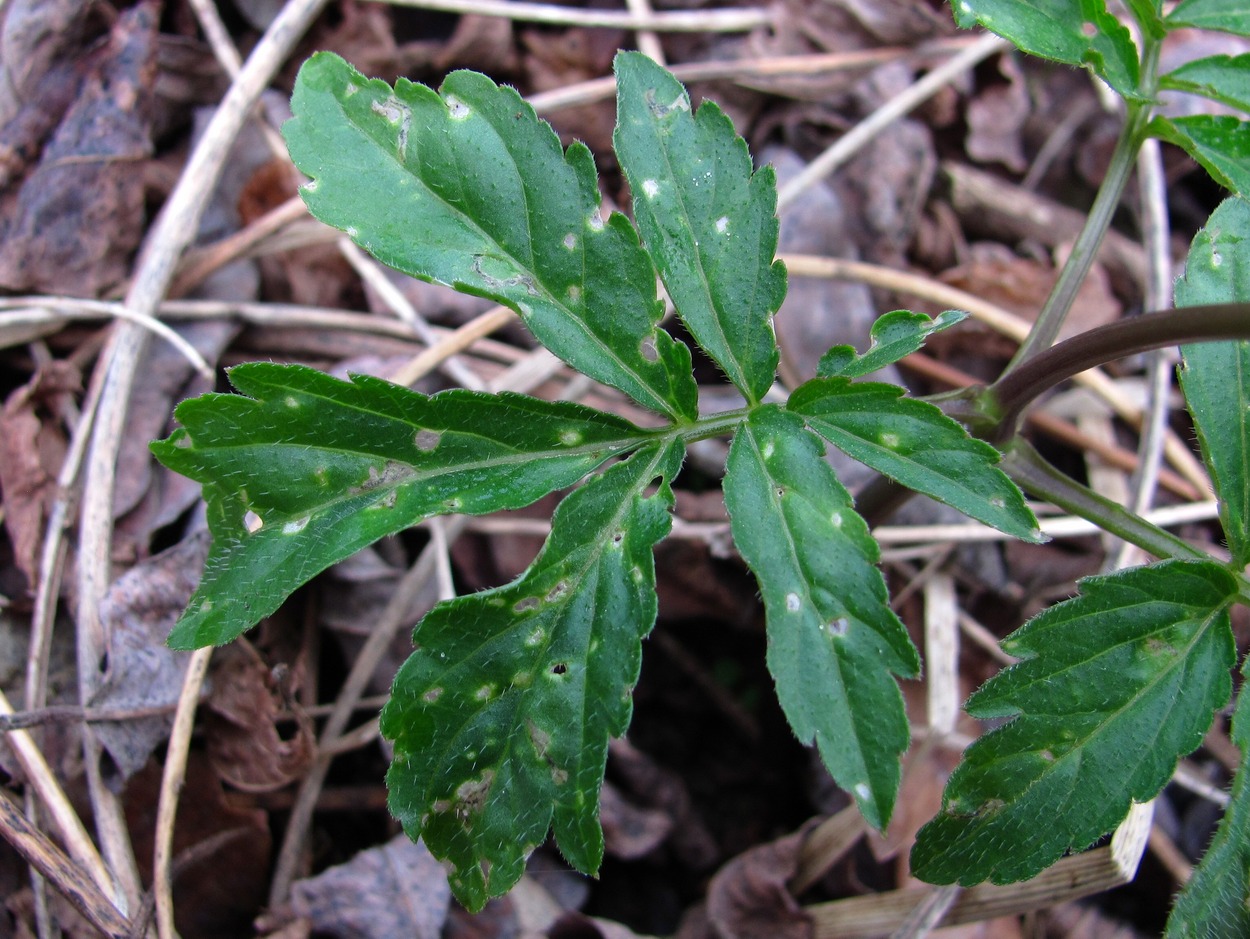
<point x="709" y="223"/>
<point x="894" y="335"/>
<point x="301" y="470"/>
<point x="1215" y="376"/>
<point x="1220" y="144"/>
<point x="1078" y="32"/>
<point x="1216" y="901"/>
<point x="1222" y="78"/>
<point x="502" y="715"/>
<point x="915" y="443"/>
<point x="1114" y="687"/>
<point x="1229" y="16"/>
<point x="467" y="187"/>
<point x="833" y="640"/>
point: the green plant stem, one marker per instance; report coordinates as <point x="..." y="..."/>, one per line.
<point x="1033" y="474"/>
<point x="1007" y="398"/>
<point x="1085" y="249"/>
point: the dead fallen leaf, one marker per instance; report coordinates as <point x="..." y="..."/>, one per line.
<point x="996" y="116"/>
<point x="575" y="925"/>
<point x="221" y="852"/>
<point x="398" y="889"/>
<point x="41" y="43"/>
<point x="749" y="898"/>
<point x="630" y="831"/>
<point x="32" y="449"/>
<point x="78" y="216"/>
<point x="137" y="613"/>
<point x="241" y="724"/>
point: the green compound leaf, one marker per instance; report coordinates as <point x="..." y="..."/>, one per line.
<point x="833" y="640"/>
<point x="894" y="335"/>
<point x="471" y="189"/>
<point x="501" y="718"/>
<point x="1229" y="16"/>
<point x="1114" y="687"/>
<point x="1222" y="78"/>
<point x="1221" y="145"/>
<point x="1078" y="32"/>
<point x="326" y="467"/>
<point x="916" y="444"/>
<point x="1215" y="376"/>
<point x="710" y="225"/>
<point x="1216" y="901"/>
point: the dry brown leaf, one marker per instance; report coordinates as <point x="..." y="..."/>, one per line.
<point x="996" y="117"/>
<point x="396" y="890"/>
<point x="630" y="831"/>
<point x="78" y="216"/>
<point x="32" y="449"/>
<point x="241" y="723"/>
<point x="138" y="612"/>
<point x="221" y="852"/>
<point x="749" y="897"/>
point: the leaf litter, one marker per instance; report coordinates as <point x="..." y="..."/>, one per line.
<point x="692" y="791"/>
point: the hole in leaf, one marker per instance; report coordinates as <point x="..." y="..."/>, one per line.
<point x="649" y="350"/>
<point x="427" y="439"/>
<point x="559" y="668"/>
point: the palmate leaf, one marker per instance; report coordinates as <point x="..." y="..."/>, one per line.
<point x="1216" y="900"/>
<point x="326" y="467"/>
<point x="710" y="225"/>
<point x="894" y="335"/>
<point x="501" y="718"/>
<point x="1078" y="32"/>
<point x="1220" y="144"/>
<point x="1114" y="687"/>
<point x="1215" y="377"/>
<point x="467" y="187"/>
<point x="1229" y="16"/>
<point x="833" y="640"/>
<point x="916" y="444"/>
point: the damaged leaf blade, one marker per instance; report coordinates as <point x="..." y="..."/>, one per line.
<point x="1113" y="688"/>
<point x="467" y="187"/>
<point x="915" y="443"/>
<point x="501" y="729"/>
<point x="301" y="470"/>
<point x="833" y="640"/>
<point x="709" y="222"/>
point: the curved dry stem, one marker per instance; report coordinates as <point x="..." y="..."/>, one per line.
<point x="172" y="777"/>
<point x="172" y="232"/>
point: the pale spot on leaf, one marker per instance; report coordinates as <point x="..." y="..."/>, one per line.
<point x="651" y="188"/>
<point x="792" y="602"/>
<point x="295" y="526"/>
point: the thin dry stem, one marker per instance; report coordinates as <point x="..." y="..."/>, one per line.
<point x="372" y="273"/>
<point x="66" y="821"/>
<point x="734" y="20"/>
<point x="455" y="342"/>
<point x="171" y="786"/>
<point x="648" y="41"/>
<point x="910" y="97"/>
<point x="392" y="619"/>
<point x="172" y="232"/>
<point x="998" y="319"/>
